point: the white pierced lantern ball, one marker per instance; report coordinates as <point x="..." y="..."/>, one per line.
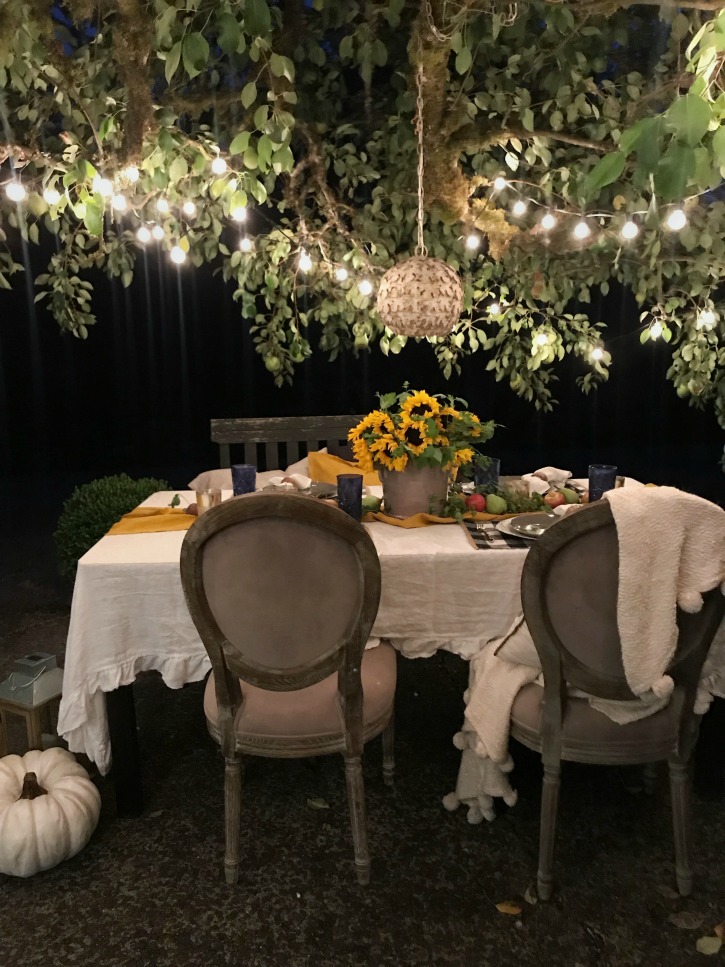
<point x="420" y="297"/>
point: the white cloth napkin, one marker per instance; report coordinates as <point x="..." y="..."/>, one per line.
<point x="546" y="479"/>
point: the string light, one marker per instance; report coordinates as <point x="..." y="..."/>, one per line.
<point x="144" y="235"/>
<point x="102" y="186"/>
<point x="548" y="222"/>
<point x="676" y="220"/>
<point x="51" y="196"/>
<point x="473" y="241"/>
<point x="494" y="309"/>
<point x="239" y="214"/>
<point x="541" y="339"/>
<point x="519" y="208"/>
<point x="131" y="173"/>
<point x="582" y="230"/>
<point x="500" y="183"/>
<point x="218" y="166"/>
<point x="157" y="232"/>
<point x="119" y="203"/>
<point x="162" y="206"/>
<point x="706" y="319"/>
<point x="630" y="230"/>
<point x="15" y="191"/>
<point x="655" y="330"/>
<point x="597" y="353"/>
<point x="341" y="273"/>
<point x="365" y="287"/>
<point x="305" y="262"/>
<point x="245" y="244"/>
<point x="177" y="255"/>
<point x="189" y="208"/>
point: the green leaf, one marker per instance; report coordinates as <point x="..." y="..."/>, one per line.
<point x="527" y="119"/>
<point x="464" y="59"/>
<point x="718" y="145"/>
<point x="264" y="151"/>
<point x="674" y="170"/>
<point x="257" y="19"/>
<point x="249" y="94"/>
<point x="606" y="170"/>
<point x="708" y="945"/>
<point x="240" y="143"/>
<point x="195" y="53"/>
<point x="93" y="217"/>
<point x="229" y="33"/>
<point x="178" y="169"/>
<point x="250" y="158"/>
<point x="172" y="61"/>
<point x="689" y="117"/>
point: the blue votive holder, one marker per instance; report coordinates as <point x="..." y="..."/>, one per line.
<point x="487" y="477"/>
<point x="349" y="494"/>
<point x="602" y="477"/>
<point x="244" y="478"/>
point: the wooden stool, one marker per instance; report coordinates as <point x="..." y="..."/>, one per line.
<point x="36" y="719"/>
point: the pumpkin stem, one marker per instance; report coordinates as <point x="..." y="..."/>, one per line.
<point x="31" y="787"/>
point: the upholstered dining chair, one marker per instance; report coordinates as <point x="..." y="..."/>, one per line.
<point x="569" y="590"/>
<point x="283" y="591"/>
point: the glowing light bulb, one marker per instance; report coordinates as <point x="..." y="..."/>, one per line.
<point x="597" y="353"/>
<point x="365" y="287"/>
<point x="582" y="230"/>
<point x="676" y="220"/>
<point x="119" y="203"/>
<point x="189" y="208"/>
<point x="706" y="319"/>
<point x="548" y="222"/>
<point x="51" y="196"/>
<point x="473" y="241"/>
<point x="541" y="339"/>
<point x="239" y="214"/>
<point x="15" y="191"/>
<point x="218" y="166"/>
<point x="162" y="206"/>
<point x="143" y="234"/>
<point x="177" y="255"/>
<point x="157" y="232"/>
<point x="305" y="262"/>
<point x="102" y="186"/>
<point x="341" y="273"/>
<point x="630" y="230"/>
<point x="655" y="330"/>
<point x="519" y="208"/>
<point x="494" y="309"/>
<point x="499" y="183"/>
<point x="246" y="244"/>
<point x="131" y="173"/>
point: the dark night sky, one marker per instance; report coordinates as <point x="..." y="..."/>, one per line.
<point x="172" y="352"/>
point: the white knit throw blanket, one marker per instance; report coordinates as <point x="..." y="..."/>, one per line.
<point x="671" y="550"/>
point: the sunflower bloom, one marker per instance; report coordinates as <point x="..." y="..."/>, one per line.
<point x="463" y="456"/>
<point x="419" y="405"/>
<point x="413" y="434"/>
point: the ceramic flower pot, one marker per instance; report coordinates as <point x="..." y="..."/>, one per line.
<point x="415" y="490"/>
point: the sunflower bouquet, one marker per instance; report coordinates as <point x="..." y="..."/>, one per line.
<point x="415" y="428"/>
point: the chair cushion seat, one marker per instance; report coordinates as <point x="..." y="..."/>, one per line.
<point x="313" y="711"/>
<point x="588" y="733"/>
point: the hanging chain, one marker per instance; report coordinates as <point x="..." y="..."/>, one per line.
<point x="437" y="33"/>
<point x="420" y="248"/>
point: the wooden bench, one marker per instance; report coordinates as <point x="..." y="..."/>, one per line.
<point x="267" y="435"/>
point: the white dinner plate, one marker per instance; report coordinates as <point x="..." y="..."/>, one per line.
<point x="529" y="526"/>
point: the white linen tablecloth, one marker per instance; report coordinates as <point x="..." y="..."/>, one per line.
<point x="129" y="615"/>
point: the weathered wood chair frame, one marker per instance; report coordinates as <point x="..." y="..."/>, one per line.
<point x="299" y="434"/>
<point x="229" y="663"/>
<point x="560" y="666"/>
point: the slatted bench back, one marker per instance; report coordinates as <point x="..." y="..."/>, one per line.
<point x="263" y="438"/>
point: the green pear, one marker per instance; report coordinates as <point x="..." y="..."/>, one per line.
<point x="371" y="505"/>
<point x="570" y="496"/>
<point x="495" y="504"/>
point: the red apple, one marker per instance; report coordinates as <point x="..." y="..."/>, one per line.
<point x="554" y="498"/>
<point x="476" y="502"/>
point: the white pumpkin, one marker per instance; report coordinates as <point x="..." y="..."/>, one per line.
<point x="48" y="810"/>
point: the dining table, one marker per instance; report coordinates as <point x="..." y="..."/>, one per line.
<point x="440" y="591"/>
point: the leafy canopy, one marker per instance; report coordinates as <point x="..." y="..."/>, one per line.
<point x="593" y="111"/>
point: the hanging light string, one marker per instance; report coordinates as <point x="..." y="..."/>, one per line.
<point x="420" y="247"/>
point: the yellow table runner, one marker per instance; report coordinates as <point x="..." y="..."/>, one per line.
<point x="149" y="520"/>
<point x="423" y="520"/>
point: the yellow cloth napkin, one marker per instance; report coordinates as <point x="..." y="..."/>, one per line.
<point x="324" y="468"/>
<point x="149" y="520"/>
<point x="423" y="520"/>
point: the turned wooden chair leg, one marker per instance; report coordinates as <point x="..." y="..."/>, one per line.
<point x="680" y="795"/>
<point x="547" y="829"/>
<point x="389" y="752"/>
<point x="358" y="819"/>
<point x="232" y="816"/>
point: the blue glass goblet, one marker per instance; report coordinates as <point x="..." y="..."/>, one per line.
<point x="602" y="477"/>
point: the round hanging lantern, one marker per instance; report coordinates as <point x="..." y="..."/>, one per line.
<point x="420" y="297"/>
